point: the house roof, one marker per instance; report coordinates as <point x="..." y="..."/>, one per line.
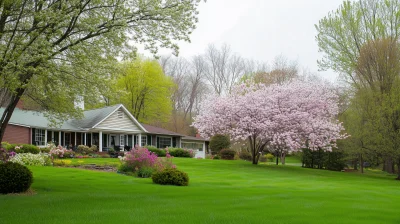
<point x="160" y="131"/>
<point x="95" y="116"/>
<point x="90" y="120"/>
<point x="192" y="138"/>
<point x="36" y="119"/>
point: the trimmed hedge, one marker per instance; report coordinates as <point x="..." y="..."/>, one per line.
<point x="14" y="178"/>
<point x="227" y="154"/>
<point x="171" y="177"/>
<point x="178" y="152"/>
<point x="155" y="150"/>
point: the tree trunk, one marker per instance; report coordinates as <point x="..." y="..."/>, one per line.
<point x="277" y="157"/>
<point x="283" y="156"/>
<point x="361" y="164"/>
<point x="388" y="165"/>
<point x="8" y="111"/>
<point x="398" y="170"/>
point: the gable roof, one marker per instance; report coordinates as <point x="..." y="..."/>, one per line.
<point x="91" y="118"/>
<point x="35" y="119"/>
<point x="160" y="131"/>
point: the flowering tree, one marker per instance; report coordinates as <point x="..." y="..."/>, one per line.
<point x="285" y="117"/>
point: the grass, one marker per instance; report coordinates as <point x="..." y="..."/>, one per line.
<point x="219" y="192"/>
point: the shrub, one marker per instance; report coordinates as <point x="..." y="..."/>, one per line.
<point x="323" y="159"/>
<point x="171" y="177"/>
<point x="244" y="155"/>
<point x="4" y="155"/>
<point x="227" y="154"/>
<point x="60" y="152"/>
<point x="141" y="161"/>
<point x="270" y="157"/>
<point x="158" y="152"/>
<point x="104" y="155"/>
<point x="219" y="142"/>
<point x="216" y="157"/>
<point x="263" y="159"/>
<point x="83" y="149"/>
<point x="45" y="150"/>
<point x="178" y="152"/>
<point x="14" y="178"/>
<point x="145" y="172"/>
<point x="93" y="148"/>
<point x="62" y="162"/>
<point x="29" y="159"/>
<point x="23" y="148"/>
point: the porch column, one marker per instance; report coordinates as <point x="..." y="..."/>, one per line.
<point x="75" y="139"/>
<point x="84" y="142"/>
<point x="91" y="138"/>
<point x="100" y="141"/>
<point x="140" y="139"/>
<point x="45" y="136"/>
<point x="59" y="138"/>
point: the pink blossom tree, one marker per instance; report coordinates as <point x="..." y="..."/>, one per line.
<point x="283" y="117"/>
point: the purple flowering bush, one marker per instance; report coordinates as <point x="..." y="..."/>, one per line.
<point x="143" y="162"/>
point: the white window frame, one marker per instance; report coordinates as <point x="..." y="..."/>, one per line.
<point x="170" y="138"/>
<point x="144" y="140"/>
<point x="121" y="140"/>
<point x="40" y="136"/>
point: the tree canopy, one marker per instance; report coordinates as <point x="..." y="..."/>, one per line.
<point x="145" y="90"/>
<point x="286" y="117"/>
<point x="56" y="51"/>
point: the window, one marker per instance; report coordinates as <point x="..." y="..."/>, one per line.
<point x="192" y="145"/>
<point x="164" y="142"/>
<point x="120" y="114"/>
<point x="40" y="136"/>
<point x="122" y="140"/>
<point x="144" y="140"/>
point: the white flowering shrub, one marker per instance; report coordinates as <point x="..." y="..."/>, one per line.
<point x="29" y="159"/>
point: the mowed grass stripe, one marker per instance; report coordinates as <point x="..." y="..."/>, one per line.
<point x="218" y="192"/>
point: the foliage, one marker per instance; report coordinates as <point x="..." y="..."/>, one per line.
<point x="84" y="149"/>
<point x="269" y="157"/>
<point x="293" y="115"/>
<point x="60" y="152"/>
<point x="179" y="152"/>
<point x="145" y="90"/>
<point x="219" y="142"/>
<point x="29" y="159"/>
<point x="93" y="148"/>
<point x="61" y="162"/>
<point x="227" y="154"/>
<point x="74" y="45"/>
<point x="155" y="150"/>
<point x="263" y="159"/>
<point x="137" y="158"/>
<point x="244" y="155"/>
<point x="14" y="178"/>
<point x="5" y="155"/>
<point x="320" y="159"/>
<point x="171" y="177"/>
<point x="23" y="148"/>
<point x="145" y="172"/>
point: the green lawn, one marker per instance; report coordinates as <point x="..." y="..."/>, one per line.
<point x="218" y="192"/>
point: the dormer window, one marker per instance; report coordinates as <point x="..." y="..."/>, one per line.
<point x="120" y="114"/>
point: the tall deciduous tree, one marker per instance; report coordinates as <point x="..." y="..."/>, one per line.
<point x="145" y="90"/>
<point x="360" y="40"/>
<point x="287" y="116"/>
<point x="60" y="50"/>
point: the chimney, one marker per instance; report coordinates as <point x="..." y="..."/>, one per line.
<point x="198" y="135"/>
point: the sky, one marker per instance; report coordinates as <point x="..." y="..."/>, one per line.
<point x="262" y="30"/>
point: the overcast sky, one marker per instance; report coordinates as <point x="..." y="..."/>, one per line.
<point x="262" y="29"/>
